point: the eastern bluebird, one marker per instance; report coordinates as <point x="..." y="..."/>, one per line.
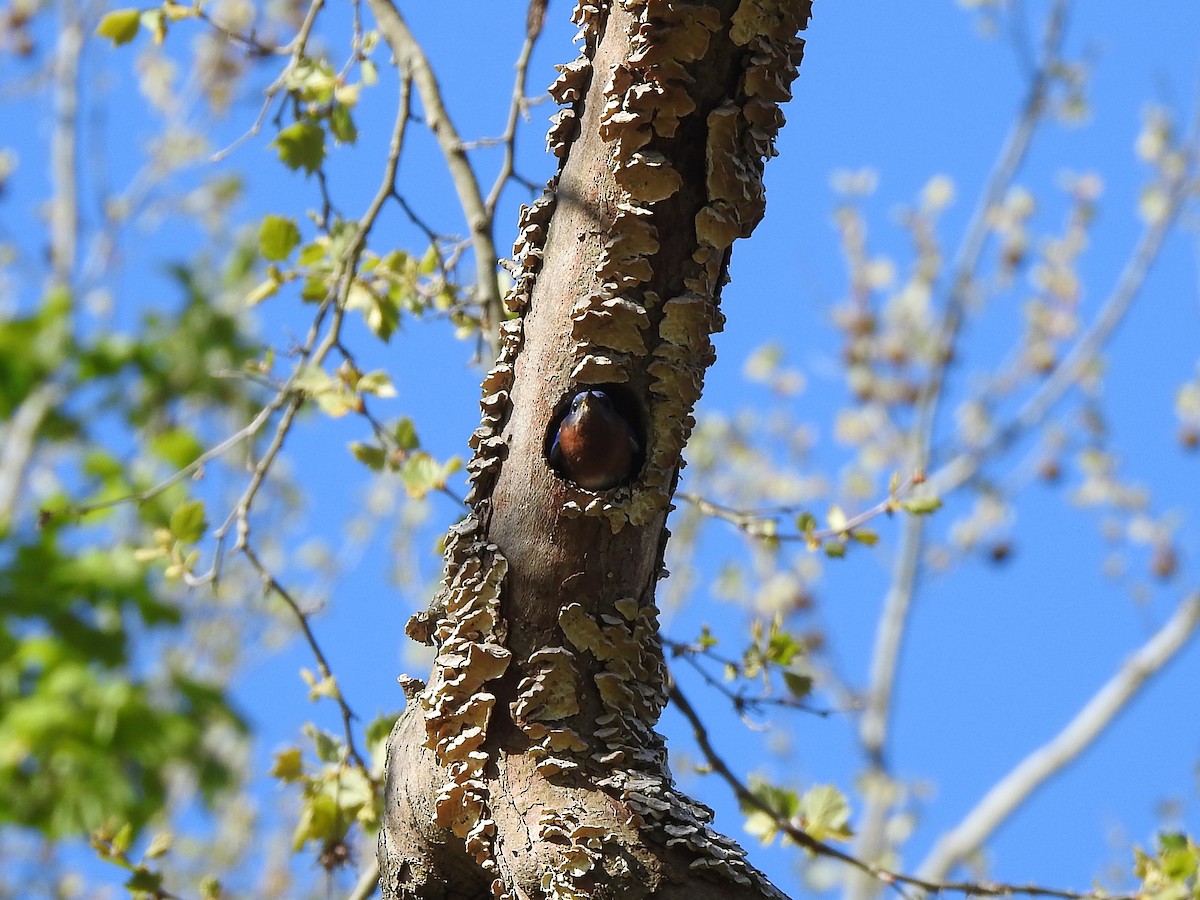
<point x="595" y="445"/>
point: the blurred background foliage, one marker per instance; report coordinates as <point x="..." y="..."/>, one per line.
<point x="242" y="323"/>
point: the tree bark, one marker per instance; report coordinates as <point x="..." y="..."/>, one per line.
<point x="528" y="766"/>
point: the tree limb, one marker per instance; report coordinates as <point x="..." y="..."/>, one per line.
<point x="64" y="208"/>
<point x="1034" y="412"/>
<point x="1038" y="767"/>
<point x="873" y="728"/>
<point x="413" y="63"/>
<point x="16" y="449"/>
<point x="878" y="874"/>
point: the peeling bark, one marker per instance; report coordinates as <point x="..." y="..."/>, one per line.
<point x="529" y="765"/>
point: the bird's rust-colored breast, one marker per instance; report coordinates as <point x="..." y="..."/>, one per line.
<point x="595" y="446"/>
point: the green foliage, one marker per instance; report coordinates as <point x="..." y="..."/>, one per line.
<point x="301" y="146"/>
<point x="85" y="736"/>
<point x="825" y="813"/>
<point x="97" y="712"/>
<point x="922" y="505"/>
<point x="144" y="882"/>
<point x="188" y="522"/>
<point x="421" y="473"/>
<point x="335" y="794"/>
<point x="90" y="732"/>
<point x="120" y="26"/>
<point x="277" y="237"/>
<point x="822" y="812"/>
<point x="1172" y="872"/>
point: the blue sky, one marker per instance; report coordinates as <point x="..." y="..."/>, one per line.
<point x="997" y="658"/>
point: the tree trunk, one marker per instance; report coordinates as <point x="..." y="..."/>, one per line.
<point x="528" y="766"/>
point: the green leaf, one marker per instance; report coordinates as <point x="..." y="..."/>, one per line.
<point x="145" y="881"/>
<point x="187" y="522"/>
<point x="301" y="145"/>
<point x="277" y="237"/>
<point x="865" y="536"/>
<point x="329" y="749"/>
<point x="341" y="123"/>
<point x="405" y="434"/>
<point x="313" y="253"/>
<point x="922" y="506"/>
<point x="177" y="447"/>
<point x="381" y="311"/>
<point x="374" y="458"/>
<point x="782" y="803"/>
<point x="319" y="687"/>
<point x="799" y="684"/>
<point x="834" y="549"/>
<point x="825" y="813"/>
<point x="321" y="820"/>
<point x="379" y="729"/>
<point x="288" y="765"/>
<point x="314" y="381"/>
<point x="160" y="845"/>
<point x="122" y="839"/>
<point x="120" y="26"/>
<point x="429" y="262"/>
<point x="378" y="383"/>
<point x="422" y="474"/>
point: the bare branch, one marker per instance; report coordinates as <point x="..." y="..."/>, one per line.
<point x="413" y="63"/>
<point x="1038" y="767"/>
<point x="17" y="438"/>
<point x="1037" y="408"/>
<point x="249" y="41"/>
<point x="741" y="702"/>
<point x="367" y="881"/>
<point x="763" y="524"/>
<point x="249" y="430"/>
<point x="873" y="730"/>
<point x="297" y="47"/>
<point x="64" y="208"/>
<point x="877" y="874"/>
<point x="272" y="585"/>
<point x="311" y="352"/>
<point x="516" y="107"/>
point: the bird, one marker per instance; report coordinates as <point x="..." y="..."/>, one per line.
<point x="595" y="446"/>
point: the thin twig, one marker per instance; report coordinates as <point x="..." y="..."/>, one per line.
<point x="247" y="431"/>
<point x="741" y="702"/>
<point x="516" y="106"/>
<point x="764" y="523"/>
<point x="296" y="47"/>
<point x="1036" y="409"/>
<point x="271" y="585"/>
<point x="1042" y="764"/>
<point x="249" y="41"/>
<point x="311" y="353"/>
<point x="413" y="63"/>
<point x="895" y="880"/>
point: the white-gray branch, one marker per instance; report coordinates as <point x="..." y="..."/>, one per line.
<point x="1032" y="772"/>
